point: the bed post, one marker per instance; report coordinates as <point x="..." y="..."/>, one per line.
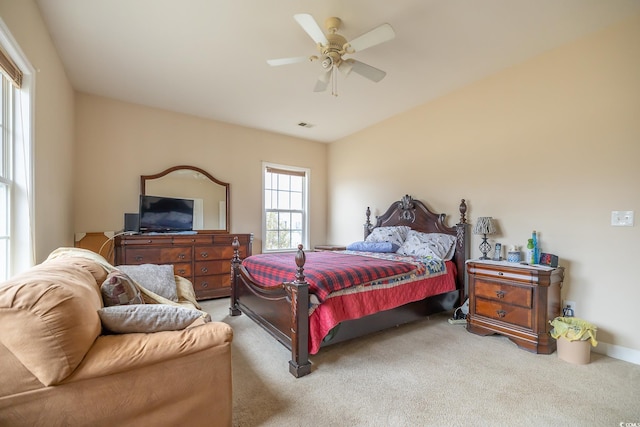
<point x="463" y="251"/>
<point x="234" y="310"/>
<point x="298" y="290"/>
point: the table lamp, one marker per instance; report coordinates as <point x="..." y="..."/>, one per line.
<point x="484" y="225"/>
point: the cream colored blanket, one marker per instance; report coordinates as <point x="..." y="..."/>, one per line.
<point x="184" y="288"/>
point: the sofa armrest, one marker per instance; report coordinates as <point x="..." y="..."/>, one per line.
<point x="119" y="353"/>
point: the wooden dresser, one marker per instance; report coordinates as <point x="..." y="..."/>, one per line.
<point x="203" y="258"/>
<point x="514" y="300"/>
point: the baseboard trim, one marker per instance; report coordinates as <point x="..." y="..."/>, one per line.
<point x="618" y="352"/>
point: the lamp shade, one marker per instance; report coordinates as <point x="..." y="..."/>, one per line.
<point x="484" y="225"/>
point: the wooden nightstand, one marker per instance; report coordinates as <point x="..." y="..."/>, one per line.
<point x="329" y="248"/>
<point x="514" y="300"/>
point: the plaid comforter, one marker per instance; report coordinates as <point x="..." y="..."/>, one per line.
<point x="327" y="272"/>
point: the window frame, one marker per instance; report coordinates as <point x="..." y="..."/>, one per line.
<point x="20" y="206"/>
<point x="305" y="204"/>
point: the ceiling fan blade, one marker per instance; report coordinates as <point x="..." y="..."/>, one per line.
<point x="311" y="27"/>
<point x="378" y="35"/>
<point x="346" y="66"/>
<point x="286" y="61"/>
<point x="323" y="81"/>
<point x="367" y="71"/>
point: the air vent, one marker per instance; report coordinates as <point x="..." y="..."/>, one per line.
<point x="305" y="125"/>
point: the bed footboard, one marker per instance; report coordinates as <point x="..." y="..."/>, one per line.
<point x="280" y="310"/>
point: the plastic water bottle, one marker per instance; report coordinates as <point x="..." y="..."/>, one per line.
<point x="536" y="250"/>
<point x="530" y="252"/>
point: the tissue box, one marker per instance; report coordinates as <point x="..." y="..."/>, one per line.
<point x="548" y="259"/>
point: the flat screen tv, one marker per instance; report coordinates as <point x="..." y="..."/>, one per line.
<point x="165" y="214"/>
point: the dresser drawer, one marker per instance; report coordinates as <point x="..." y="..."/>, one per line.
<point x="513" y="314"/>
<point x="212" y="282"/>
<point x="503" y="293"/>
<point x="182" y="269"/>
<point x="203" y="253"/>
<point x="157" y="255"/>
<point x="204" y="268"/>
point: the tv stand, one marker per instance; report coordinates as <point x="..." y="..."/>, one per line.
<point x="203" y="258"/>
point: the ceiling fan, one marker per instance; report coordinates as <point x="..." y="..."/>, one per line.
<point x="333" y="46"/>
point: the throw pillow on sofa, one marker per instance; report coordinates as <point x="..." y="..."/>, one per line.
<point x="159" y="279"/>
<point x="125" y="319"/>
<point x="119" y="289"/>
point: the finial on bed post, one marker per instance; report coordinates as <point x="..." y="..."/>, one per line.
<point x="463" y="210"/>
<point x="367" y="224"/>
<point x="236" y="249"/>
<point x="301" y="258"/>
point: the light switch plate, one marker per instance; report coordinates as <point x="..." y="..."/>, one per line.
<point x="622" y="218"/>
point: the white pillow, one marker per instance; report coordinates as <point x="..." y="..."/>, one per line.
<point x="393" y="234"/>
<point x="436" y="245"/>
<point x="159" y="279"/>
<point x="146" y="318"/>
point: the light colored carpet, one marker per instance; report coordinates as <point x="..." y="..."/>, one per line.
<point x="428" y="373"/>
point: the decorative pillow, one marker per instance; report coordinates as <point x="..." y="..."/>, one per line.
<point x="159" y="279"/>
<point x="436" y="245"/>
<point x="373" y="247"/>
<point x="392" y="234"/>
<point x="119" y="289"/>
<point x="126" y="319"/>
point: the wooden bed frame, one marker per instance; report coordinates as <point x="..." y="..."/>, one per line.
<point x="283" y="310"/>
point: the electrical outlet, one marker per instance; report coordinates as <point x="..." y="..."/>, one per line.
<point x="622" y="218"/>
<point x="569" y="305"/>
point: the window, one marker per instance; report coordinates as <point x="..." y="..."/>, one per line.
<point x="285" y="213"/>
<point x="16" y="163"/>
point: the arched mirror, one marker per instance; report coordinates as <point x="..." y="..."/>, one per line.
<point x="210" y="196"/>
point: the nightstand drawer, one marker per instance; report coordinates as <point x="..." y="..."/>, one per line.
<point x="507" y="294"/>
<point x="513" y="314"/>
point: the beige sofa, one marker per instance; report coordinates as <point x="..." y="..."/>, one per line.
<point x="60" y="369"/>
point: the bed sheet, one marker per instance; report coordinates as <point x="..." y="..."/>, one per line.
<point x="361" y="301"/>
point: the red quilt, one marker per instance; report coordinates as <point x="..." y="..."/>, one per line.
<point x="326" y="272"/>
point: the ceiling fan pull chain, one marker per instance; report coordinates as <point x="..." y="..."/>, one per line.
<point x="334" y="81"/>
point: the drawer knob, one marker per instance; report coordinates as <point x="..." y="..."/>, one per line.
<point x="139" y="258"/>
<point x="181" y="256"/>
<point x="182" y="271"/>
<point x="204" y="284"/>
<point x="500" y="273"/>
<point x="204" y="254"/>
<point x="204" y="269"/>
<point x="500" y="294"/>
<point x="501" y="313"/>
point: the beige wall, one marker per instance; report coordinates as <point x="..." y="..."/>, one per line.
<point x="118" y="142"/>
<point x="552" y="145"/>
<point x="53" y="132"/>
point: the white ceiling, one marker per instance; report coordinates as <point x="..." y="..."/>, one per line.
<point x="207" y="58"/>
